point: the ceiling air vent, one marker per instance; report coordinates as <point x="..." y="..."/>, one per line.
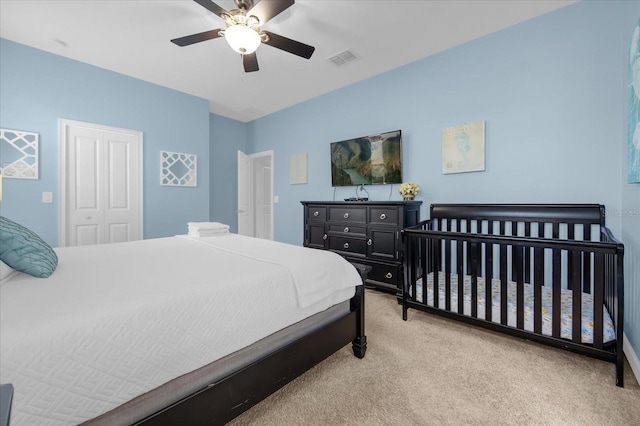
<point x="343" y="57"/>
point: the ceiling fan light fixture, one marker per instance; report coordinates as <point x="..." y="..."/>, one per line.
<point x="242" y="38"/>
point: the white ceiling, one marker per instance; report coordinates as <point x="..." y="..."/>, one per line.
<point x="132" y="37"/>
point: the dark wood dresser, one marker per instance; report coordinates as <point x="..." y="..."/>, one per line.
<point x="363" y="232"/>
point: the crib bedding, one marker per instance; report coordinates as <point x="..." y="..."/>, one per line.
<point x="547" y="310"/>
<point x="115" y="321"/>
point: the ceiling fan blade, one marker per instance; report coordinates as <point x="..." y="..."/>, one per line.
<point x="196" y="38"/>
<point x="212" y="7"/>
<point x="267" y="9"/>
<point x="250" y="62"/>
<point x="288" y="45"/>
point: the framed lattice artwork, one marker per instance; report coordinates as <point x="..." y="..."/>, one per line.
<point x="178" y="169"/>
<point x="19" y="153"/>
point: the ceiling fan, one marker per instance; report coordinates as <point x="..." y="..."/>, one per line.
<point x="243" y="30"/>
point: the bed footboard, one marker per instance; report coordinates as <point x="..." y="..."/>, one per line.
<point x="525" y="270"/>
<point x="222" y="401"/>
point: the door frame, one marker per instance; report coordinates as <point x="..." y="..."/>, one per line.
<point x="63" y="124"/>
<point x="254" y="159"/>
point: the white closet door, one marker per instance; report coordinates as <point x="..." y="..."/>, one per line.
<point x="101" y="197"/>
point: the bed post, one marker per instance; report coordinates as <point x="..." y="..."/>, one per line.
<point x="359" y="344"/>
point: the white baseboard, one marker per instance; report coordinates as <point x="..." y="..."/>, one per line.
<point x="632" y="357"/>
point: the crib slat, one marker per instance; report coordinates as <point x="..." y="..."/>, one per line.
<point x="527" y="258"/>
<point x="503" y="284"/>
<point x="488" y="281"/>
<point x="426" y="257"/>
<point x="475" y="255"/>
<point x="460" y="272"/>
<point x="556" y="283"/>
<point x="570" y="282"/>
<point x="586" y="270"/>
<point x="447" y="274"/>
<point x="538" y="282"/>
<point x="576" y="322"/>
<point x="598" y="299"/>
<point x="518" y="253"/>
<point x="436" y="275"/>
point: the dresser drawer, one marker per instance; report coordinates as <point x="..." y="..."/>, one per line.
<point x="348" y="245"/>
<point x="316" y="213"/>
<point x="348" y="229"/>
<point x="384" y="215"/>
<point x="388" y="274"/>
<point x="348" y="214"/>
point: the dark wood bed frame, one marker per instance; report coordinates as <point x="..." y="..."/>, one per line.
<point x="222" y="401"/>
<point x="432" y="243"/>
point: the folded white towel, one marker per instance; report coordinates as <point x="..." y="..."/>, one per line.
<point x="207" y="225"/>
<point x="207" y="232"/>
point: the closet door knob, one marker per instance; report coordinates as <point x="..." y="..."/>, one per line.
<point x="346" y="245"/>
<point x="316" y="213"/>
<point x="383" y="216"/>
<point x="389" y="275"/>
<point x="346" y="215"/>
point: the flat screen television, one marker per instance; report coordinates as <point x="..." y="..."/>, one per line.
<point x="368" y="160"/>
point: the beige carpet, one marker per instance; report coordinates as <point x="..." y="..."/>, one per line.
<point x="431" y="370"/>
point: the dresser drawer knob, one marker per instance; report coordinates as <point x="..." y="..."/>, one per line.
<point x="383" y="216"/>
<point x="389" y="275"/>
<point x="346" y="245"/>
<point x="324" y="237"/>
<point x="346" y="229"/>
<point x="346" y="215"/>
<point x="316" y="213"/>
<point x="369" y="242"/>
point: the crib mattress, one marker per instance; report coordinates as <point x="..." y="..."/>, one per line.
<point x="566" y="315"/>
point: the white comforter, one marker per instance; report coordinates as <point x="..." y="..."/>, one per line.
<point x="117" y="320"/>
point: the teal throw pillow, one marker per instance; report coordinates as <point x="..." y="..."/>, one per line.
<point x="23" y="250"/>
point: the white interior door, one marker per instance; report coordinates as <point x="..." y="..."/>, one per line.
<point x="101" y="184"/>
<point x="245" y="194"/>
<point x="255" y="194"/>
<point x="263" y="198"/>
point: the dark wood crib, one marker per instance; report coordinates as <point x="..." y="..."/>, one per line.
<point x="523" y="269"/>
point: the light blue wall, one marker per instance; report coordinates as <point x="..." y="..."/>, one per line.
<point x="38" y="88"/>
<point x="553" y="93"/>
<point x="227" y="137"/>
<point x="550" y="91"/>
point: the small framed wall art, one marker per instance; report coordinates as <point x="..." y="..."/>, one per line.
<point x="298" y="169"/>
<point x="178" y="169"/>
<point x="19" y="153"/>
<point x="463" y="148"/>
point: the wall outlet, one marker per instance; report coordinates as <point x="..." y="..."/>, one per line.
<point x="47" y="197"/>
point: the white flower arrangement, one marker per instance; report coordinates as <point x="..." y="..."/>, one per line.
<point x="409" y="189"/>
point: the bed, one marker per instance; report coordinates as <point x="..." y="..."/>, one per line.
<point x="178" y="330"/>
<point x="523" y="269"/>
